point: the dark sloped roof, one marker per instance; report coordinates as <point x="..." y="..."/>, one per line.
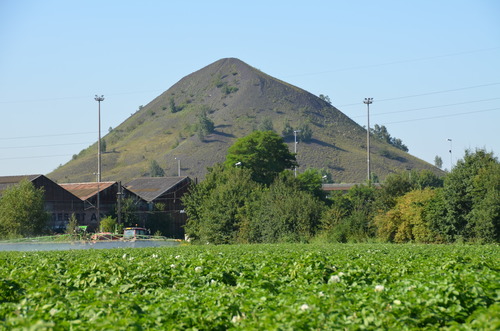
<point x="150" y="188"/>
<point x="86" y="190"/>
<point x="7" y="181"/>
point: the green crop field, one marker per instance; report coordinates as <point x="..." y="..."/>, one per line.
<point x="256" y="287"/>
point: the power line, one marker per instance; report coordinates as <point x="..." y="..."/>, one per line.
<point x="393" y="62"/>
<point x="75" y="97"/>
<point x="52" y="145"/>
<point x="430" y="107"/>
<point x="443" y="116"/>
<point x="424" y="94"/>
<point x="48" y="135"/>
<point x="32" y="157"/>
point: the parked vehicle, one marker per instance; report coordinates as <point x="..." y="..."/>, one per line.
<point x="135" y="233"/>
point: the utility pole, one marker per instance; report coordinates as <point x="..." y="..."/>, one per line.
<point x="295" y="150"/>
<point x="368" y="102"/>
<point x="119" y="202"/>
<point x="178" y="166"/>
<point x="99" y="99"/>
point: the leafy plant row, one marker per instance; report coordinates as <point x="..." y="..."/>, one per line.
<point x="286" y="286"/>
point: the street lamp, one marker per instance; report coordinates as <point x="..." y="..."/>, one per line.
<point x="295" y="149"/>
<point x="99" y="99"/>
<point x="451" y="153"/>
<point x="368" y="102"/>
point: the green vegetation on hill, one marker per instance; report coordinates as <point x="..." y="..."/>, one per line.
<point x="199" y="117"/>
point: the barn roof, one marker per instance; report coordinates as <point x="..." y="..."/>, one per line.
<point x="86" y="190"/>
<point x="150" y="188"/>
<point x="7" y="181"/>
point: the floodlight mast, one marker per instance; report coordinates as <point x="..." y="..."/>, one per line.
<point x="99" y="99"/>
<point x="368" y="102"/>
<point x="295" y="150"/>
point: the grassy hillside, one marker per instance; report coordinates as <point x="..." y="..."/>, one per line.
<point x="238" y="99"/>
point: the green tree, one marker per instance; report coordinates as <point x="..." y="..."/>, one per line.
<point x="172" y="106"/>
<point x="22" y="211"/>
<point x="215" y="207"/>
<point x="305" y="133"/>
<point x="103" y="146"/>
<point x="311" y="180"/>
<point x="350" y="216"/>
<point x="108" y="224"/>
<point x="264" y="153"/>
<point x="483" y="221"/>
<point x="438" y="162"/>
<point x="398" y="184"/>
<point x="155" y="170"/>
<point x="129" y="212"/>
<point x="285" y="213"/>
<point x="325" y="98"/>
<point x="406" y="222"/>
<point x="72" y="227"/>
<point x="381" y="133"/>
<point x="205" y="126"/>
<point x="287" y="132"/>
<point x="460" y="193"/>
<point x="266" y="125"/>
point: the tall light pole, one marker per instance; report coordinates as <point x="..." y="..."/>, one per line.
<point x="99" y="99"/>
<point x="295" y="149"/>
<point x="451" y="153"/>
<point x="178" y="166"/>
<point x="368" y="102"/>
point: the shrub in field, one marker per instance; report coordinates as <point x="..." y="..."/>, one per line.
<point x="406" y="222"/>
<point x="286" y="214"/>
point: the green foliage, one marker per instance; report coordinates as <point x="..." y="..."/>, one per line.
<point x="205" y="126"/>
<point x="438" y="161"/>
<point x="266" y="125"/>
<point x="325" y="98"/>
<point x="253" y="287"/>
<point x="264" y="153"/>
<point x="483" y="221"/>
<point x="311" y="180"/>
<point x="129" y="212"/>
<point x="381" y="133"/>
<point x="155" y="170"/>
<point x="22" y="211"/>
<point x="215" y="207"/>
<point x="286" y="214"/>
<point x="305" y="133"/>
<point x="466" y="194"/>
<point x="287" y="132"/>
<point x="72" y="227"/>
<point x="397" y="185"/>
<point x="108" y="224"/>
<point x="406" y="222"/>
<point x="103" y="146"/>
<point x="350" y="216"/>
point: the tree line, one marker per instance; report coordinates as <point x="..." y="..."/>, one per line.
<point x="253" y="197"/>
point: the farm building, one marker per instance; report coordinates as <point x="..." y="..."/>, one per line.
<point x="163" y="198"/>
<point x="89" y="193"/>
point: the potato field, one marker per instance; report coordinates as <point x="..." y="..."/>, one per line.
<point x="253" y="287"/>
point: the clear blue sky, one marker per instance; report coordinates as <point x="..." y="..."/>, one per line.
<point x="432" y="67"/>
